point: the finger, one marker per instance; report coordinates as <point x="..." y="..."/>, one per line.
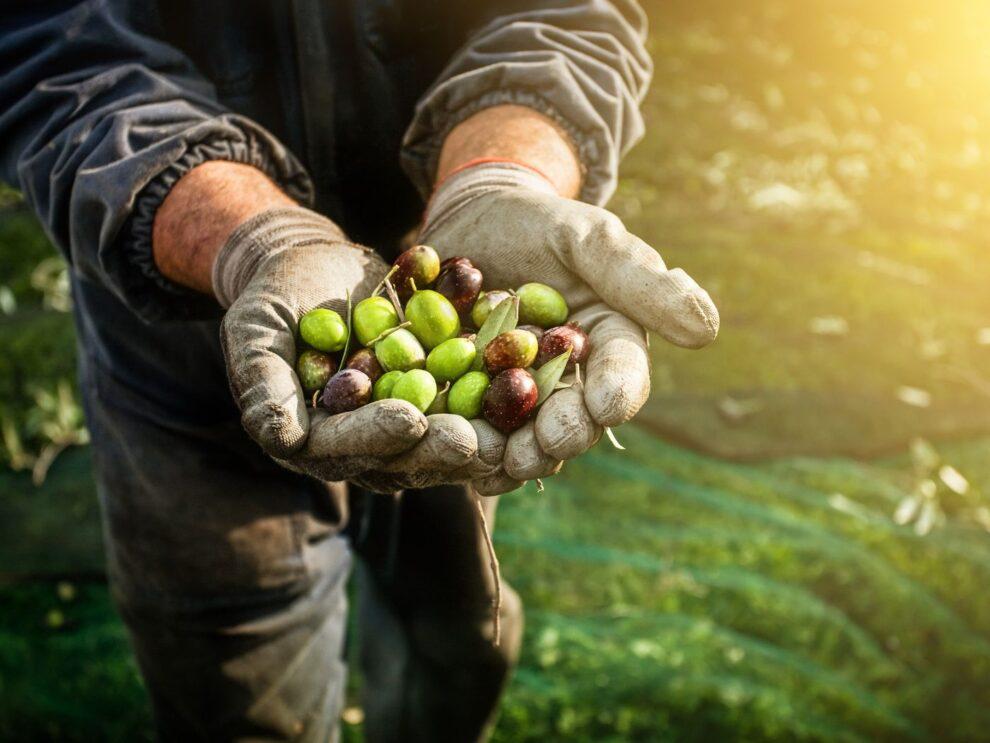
<point x="564" y="427"/>
<point x="449" y="444"/>
<point x="341" y="446"/>
<point x="488" y="459"/>
<point x="617" y="371"/>
<point x="496" y="484"/>
<point x="259" y="347"/>
<point x="524" y="459"/>
<point x="631" y="276"/>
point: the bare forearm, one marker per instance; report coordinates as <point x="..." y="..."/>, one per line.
<point x="515" y="133"/>
<point x="201" y="211"/>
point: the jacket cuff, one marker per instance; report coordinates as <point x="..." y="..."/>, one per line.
<point x="151" y="295"/>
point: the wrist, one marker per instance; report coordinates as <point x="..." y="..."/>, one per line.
<point x="266" y="234"/>
<point x="478" y="177"/>
<point x="201" y="211"/>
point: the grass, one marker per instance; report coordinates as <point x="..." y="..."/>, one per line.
<point x="669" y="595"/>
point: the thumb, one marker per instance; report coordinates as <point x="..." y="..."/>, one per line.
<point x="631" y="277"/>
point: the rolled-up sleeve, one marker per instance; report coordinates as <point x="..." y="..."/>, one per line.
<point x="97" y="121"/>
<point x="583" y="64"/>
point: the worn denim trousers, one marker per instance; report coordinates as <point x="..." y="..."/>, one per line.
<point x="231" y="572"/>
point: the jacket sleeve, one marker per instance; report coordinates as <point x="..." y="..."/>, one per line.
<point x="97" y="121"/>
<point x="582" y="62"/>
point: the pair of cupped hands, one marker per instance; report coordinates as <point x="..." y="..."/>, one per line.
<point x="617" y="288"/>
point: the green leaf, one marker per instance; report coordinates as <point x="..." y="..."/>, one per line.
<point x="549" y="374"/>
<point x="501" y="319"/>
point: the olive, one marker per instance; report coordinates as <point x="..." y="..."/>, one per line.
<point x="457" y="260"/>
<point x="510" y="399"/>
<point x="451" y="359"/>
<point x="461" y="284"/>
<point x="432" y="318"/>
<point x="400" y="350"/>
<point x="365" y="360"/>
<point x="314" y="368"/>
<point x="464" y="398"/>
<point x="487" y="301"/>
<point x="419" y="266"/>
<point x="511" y="349"/>
<point x="323" y="329"/>
<point x="385" y="383"/>
<point x="418" y="387"/>
<point x="541" y="305"/>
<point x="348" y="389"/>
<point x="556" y="341"/>
<point x="534" y="329"/>
<point x="372" y="317"/>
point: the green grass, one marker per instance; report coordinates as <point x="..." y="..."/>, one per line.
<point x="669" y="595"/>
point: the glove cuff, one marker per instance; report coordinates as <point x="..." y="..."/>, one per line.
<point x="272" y="231"/>
<point x="477" y="178"/>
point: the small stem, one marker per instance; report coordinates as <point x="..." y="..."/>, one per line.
<point x="386" y="333"/>
<point x="382" y="282"/>
<point x="615" y="441"/>
<point x="394" y="299"/>
<point x="496" y="573"/>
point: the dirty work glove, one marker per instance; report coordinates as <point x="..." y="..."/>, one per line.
<point x="512" y="224"/>
<point x="273" y="269"/>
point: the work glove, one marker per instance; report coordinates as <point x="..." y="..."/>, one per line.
<point x="272" y="270"/>
<point x="511" y="223"/>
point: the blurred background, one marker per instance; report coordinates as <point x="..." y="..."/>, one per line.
<point x="795" y="543"/>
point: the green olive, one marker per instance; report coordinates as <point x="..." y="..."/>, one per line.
<point x="466" y="394"/>
<point x="418" y="387"/>
<point x="314" y="368"/>
<point x="323" y="329"/>
<point x="385" y="383"/>
<point x="433" y="318"/>
<point x="451" y="359"/>
<point x="372" y="317"/>
<point x="400" y="350"/>
<point x="487" y="301"/>
<point x="541" y="305"/>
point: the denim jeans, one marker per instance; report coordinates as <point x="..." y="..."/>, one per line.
<point x="231" y="572"/>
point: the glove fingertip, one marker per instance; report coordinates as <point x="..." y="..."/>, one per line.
<point x="279" y="431"/>
<point x="497" y="484"/>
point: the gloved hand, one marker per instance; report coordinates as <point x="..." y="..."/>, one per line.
<point x="513" y="226"/>
<point x="272" y="270"/>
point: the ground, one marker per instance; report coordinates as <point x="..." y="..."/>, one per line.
<point x="794" y="542"/>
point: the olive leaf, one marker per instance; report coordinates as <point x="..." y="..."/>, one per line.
<point x="547" y="376"/>
<point x="347" y="341"/>
<point x="500" y="320"/>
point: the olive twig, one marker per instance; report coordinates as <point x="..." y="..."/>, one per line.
<point x="496" y="573"/>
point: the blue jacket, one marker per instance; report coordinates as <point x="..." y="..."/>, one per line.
<point x="104" y="104"/>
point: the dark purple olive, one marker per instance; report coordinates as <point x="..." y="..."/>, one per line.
<point x="509" y="350"/>
<point x="365" y="360"/>
<point x="556" y="341"/>
<point x="347" y="390"/>
<point x="457" y="260"/>
<point x="461" y="285"/>
<point x="314" y="368"/>
<point x="510" y="399"/>
<point x="420" y="265"/>
<point x="534" y="329"/>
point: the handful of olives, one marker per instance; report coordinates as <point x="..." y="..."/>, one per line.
<point x="443" y="344"/>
